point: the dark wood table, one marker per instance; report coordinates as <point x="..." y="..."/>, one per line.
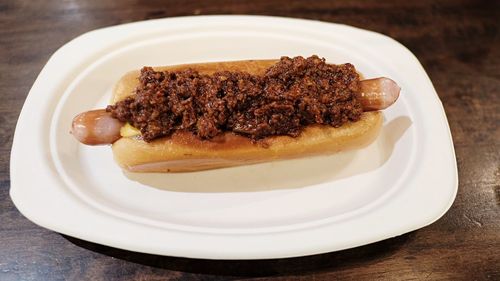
<point x="458" y="43"/>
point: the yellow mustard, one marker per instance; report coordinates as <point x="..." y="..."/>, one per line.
<point x="129" y="131"/>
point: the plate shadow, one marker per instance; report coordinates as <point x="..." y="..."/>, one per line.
<point x="359" y="256"/>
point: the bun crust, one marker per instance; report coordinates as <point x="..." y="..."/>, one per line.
<point x="184" y="152"/>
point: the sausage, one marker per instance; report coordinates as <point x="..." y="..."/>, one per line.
<point x="97" y="127"/>
<point x="378" y="93"/>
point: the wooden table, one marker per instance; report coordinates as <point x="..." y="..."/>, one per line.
<point x="458" y="43"/>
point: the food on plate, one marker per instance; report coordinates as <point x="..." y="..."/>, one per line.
<point x="212" y="115"/>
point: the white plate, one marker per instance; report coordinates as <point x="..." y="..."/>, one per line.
<point x="403" y="181"/>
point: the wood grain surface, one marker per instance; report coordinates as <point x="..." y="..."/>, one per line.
<point x="458" y="43"/>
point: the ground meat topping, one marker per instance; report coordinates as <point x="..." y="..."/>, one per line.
<point x="293" y="93"/>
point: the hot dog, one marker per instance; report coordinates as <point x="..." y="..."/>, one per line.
<point x="254" y="132"/>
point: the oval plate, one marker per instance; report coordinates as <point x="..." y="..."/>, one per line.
<point x="405" y="180"/>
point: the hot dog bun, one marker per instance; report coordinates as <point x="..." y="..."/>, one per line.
<point x="184" y="152"/>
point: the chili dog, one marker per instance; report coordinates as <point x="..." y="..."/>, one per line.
<point x="213" y="115"/>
